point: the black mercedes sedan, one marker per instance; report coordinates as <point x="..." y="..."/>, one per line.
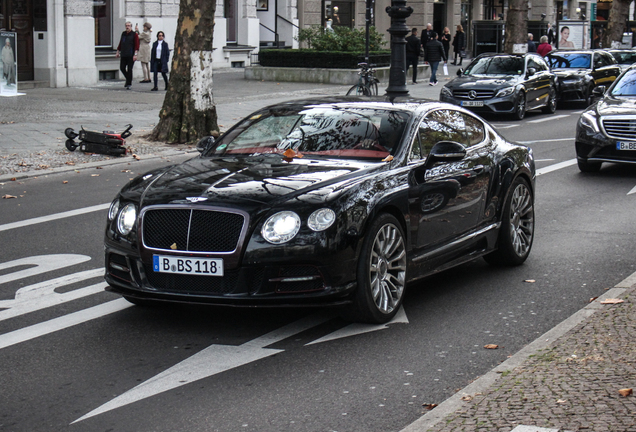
<point x="580" y="71"/>
<point x="606" y="131"/>
<point x="624" y="57"/>
<point x="503" y="83"/>
<point x="338" y="201"/>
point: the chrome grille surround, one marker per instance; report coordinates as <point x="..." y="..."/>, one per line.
<point x="620" y="127"/>
<point x="479" y="94"/>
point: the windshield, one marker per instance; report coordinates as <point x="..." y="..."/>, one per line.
<point x="500" y="65"/>
<point x="624" y="57"/>
<point x="567" y="61"/>
<point x="333" y="131"/>
<point x="626" y="85"/>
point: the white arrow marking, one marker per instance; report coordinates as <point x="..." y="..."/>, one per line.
<point x="52" y="217"/>
<point x="210" y="361"/>
<point x="632" y="191"/>
<point x="356" y="328"/>
<point x="43" y="263"/>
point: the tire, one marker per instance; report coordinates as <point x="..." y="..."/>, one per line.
<point x="70" y="145"/>
<point x="588" y="167"/>
<point x="358" y="90"/>
<point x="520" y="112"/>
<point x="551" y="106"/>
<point x="517" y="227"/>
<point x="381" y="273"/>
<point x="374" y="88"/>
<point x="70" y="133"/>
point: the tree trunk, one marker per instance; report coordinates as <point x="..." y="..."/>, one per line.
<point x="516" y="24"/>
<point x="188" y="111"/>
<point x="616" y="23"/>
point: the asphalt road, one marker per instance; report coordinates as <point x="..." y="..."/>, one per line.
<point x="75" y="358"/>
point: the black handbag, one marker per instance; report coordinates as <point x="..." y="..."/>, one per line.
<point x="462" y="53"/>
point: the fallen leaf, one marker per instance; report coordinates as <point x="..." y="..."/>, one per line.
<point x="530" y="281"/>
<point x="13" y="179"/>
<point x="65" y="181"/>
<point x="173" y="246"/>
<point x="467" y="398"/>
<point x="8" y="196"/>
<point x="135" y="156"/>
<point x="94" y="175"/>
<point x="612" y="301"/>
<point x="561" y="401"/>
<point x="69" y="163"/>
<point x="43" y="166"/>
<point x="429" y="406"/>
<point x="625" y="392"/>
<point x="592" y="299"/>
<point x="99" y="167"/>
<point x="491" y="346"/>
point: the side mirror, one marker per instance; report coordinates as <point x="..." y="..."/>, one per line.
<point x="598" y="91"/>
<point x="531" y="71"/>
<point x="205" y="143"/>
<point x="460" y="71"/>
<point x="445" y="151"/>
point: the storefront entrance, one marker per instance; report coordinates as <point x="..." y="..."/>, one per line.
<point x="17" y="16"/>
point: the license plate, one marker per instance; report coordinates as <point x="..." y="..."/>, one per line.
<point x="191" y="266"/>
<point x="472" y="103"/>
<point x="624" y="145"/>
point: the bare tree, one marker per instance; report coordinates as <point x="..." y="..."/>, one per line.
<point x="617" y="21"/>
<point x="188" y="111"/>
<point x="516" y="24"/>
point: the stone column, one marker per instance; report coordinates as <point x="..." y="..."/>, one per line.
<point x="80" y="43"/>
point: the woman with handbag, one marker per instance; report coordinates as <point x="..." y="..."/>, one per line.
<point x="459" y="44"/>
<point x="159" y="56"/>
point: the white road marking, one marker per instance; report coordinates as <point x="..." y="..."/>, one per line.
<point x="507" y="126"/>
<point x="52" y="217"/>
<point x="546" y="140"/>
<point x="61" y="323"/>
<point x="42" y="263"/>
<point x="556" y="167"/>
<point x="552" y="117"/>
<point x="543" y="160"/>
<point x="632" y="191"/>
<point x="357" y="328"/>
<point x="210" y="361"/>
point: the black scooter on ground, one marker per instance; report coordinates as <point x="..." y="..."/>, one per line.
<point x="106" y="142"/>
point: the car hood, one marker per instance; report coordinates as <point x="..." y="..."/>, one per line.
<point x="483" y="81"/>
<point x="248" y="181"/>
<point x="613" y="105"/>
<point x="570" y="73"/>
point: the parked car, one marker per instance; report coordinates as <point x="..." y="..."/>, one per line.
<point x="624" y="57"/>
<point x="503" y="83"/>
<point x="580" y="71"/>
<point x="606" y="131"/>
<point x="337" y="201"/>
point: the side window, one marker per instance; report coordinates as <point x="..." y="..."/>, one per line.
<point x="416" y="152"/>
<point x="542" y="64"/>
<point x="474" y="130"/>
<point x="533" y="64"/>
<point x="609" y="60"/>
<point x="597" y="60"/>
<point x="441" y="125"/>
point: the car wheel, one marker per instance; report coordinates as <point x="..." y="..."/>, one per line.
<point x="381" y="273"/>
<point x="517" y="226"/>
<point x="550" y="108"/>
<point x="520" y="113"/>
<point x="588" y="167"/>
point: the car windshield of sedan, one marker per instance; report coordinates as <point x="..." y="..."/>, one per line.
<point x="569" y="61"/>
<point x="624" y="57"/>
<point x="332" y="131"/>
<point x="626" y="86"/>
<point x="496" y="66"/>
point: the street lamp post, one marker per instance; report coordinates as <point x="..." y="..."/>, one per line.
<point x="399" y="12"/>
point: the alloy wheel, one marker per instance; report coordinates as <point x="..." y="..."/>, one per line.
<point x="521" y="220"/>
<point x="387" y="268"/>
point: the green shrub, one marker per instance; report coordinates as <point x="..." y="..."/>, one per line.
<point x="341" y="39"/>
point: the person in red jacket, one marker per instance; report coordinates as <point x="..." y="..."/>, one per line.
<point x="127" y="50"/>
<point x="544" y="47"/>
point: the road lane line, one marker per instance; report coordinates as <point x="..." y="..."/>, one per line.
<point x="552" y="117"/>
<point x="63" y="322"/>
<point x="556" y="167"/>
<point x="53" y="217"/>
<point x="632" y="191"/>
<point x="546" y="140"/>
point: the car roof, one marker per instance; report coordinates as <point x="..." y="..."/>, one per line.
<point x="507" y="55"/>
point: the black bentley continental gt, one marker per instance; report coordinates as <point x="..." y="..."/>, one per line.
<point x="606" y="131"/>
<point x="337" y="202"/>
<point x="504" y="83"/>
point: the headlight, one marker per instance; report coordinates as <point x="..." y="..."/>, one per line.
<point x="321" y="219"/>
<point x="588" y="120"/>
<point x="505" y="92"/>
<point x="112" y="211"/>
<point x="281" y="227"/>
<point x="446" y="92"/>
<point x="126" y="219"/>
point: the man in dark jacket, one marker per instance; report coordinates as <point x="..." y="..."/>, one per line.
<point x="412" y="53"/>
<point x="531" y="46"/>
<point x="433" y="55"/>
<point x="127" y="50"/>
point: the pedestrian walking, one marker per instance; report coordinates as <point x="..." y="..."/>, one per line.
<point x="144" y="50"/>
<point x="446" y="41"/>
<point x="127" y="50"/>
<point x="160" y="54"/>
<point x="434" y="54"/>
<point x="551" y="38"/>
<point x="413" y="46"/>
<point x="531" y="46"/>
<point x="459" y="44"/>
<point x="544" y="47"/>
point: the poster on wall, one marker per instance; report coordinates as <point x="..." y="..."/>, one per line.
<point x="9" y="64"/>
<point x="572" y="35"/>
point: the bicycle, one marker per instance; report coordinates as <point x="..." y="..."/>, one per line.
<point x="367" y="81"/>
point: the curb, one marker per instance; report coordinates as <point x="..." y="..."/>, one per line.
<point x="483" y="383"/>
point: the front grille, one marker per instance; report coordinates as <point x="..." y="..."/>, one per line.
<point x="192" y="230"/>
<point x="620" y="128"/>
<point x="479" y="94"/>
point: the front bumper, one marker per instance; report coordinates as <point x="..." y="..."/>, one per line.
<point x="505" y="104"/>
<point x="573" y="90"/>
<point x="594" y="146"/>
